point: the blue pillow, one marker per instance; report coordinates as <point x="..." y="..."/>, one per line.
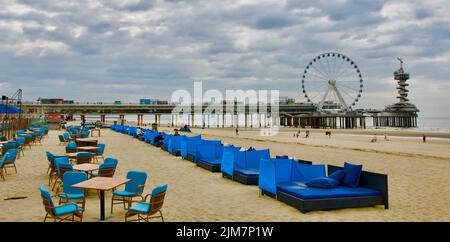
<point x="337" y="175"/>
<point x="322" y="182"/>
<point x="352" y="175"/>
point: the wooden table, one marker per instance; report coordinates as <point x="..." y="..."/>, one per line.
<point x="72" y="155"/>
<point x="87" y="142"/>
<point x="102" y="184"/>
<point x="96" y="130"/>
<point x="86" y="167"/>
<point x="92" y="149"/>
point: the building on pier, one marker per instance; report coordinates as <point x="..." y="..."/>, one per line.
<point x="403" y="113"/>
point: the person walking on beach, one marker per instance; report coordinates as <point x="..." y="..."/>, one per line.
<point x="424" y="138"/>
<point x="307" y="134"/>
<point x="237" y="130"/>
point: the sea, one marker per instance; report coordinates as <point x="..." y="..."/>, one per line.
<point x="425" y="124"/>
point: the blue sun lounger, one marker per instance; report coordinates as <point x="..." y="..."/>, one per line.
<point x="243" y="166"/>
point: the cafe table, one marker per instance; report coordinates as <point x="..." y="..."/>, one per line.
<point x="86" y="142"/>
<point x="92" y="149"/>
<point x="101" y="184"/>
<point x="86" y="167"/>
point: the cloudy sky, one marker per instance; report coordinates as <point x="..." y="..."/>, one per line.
<point x="106" y="50"/>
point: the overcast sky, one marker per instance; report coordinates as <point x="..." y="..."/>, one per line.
<point x="106" y="50"/>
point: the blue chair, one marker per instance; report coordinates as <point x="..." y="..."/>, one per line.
<point x="144" y="210"/>
<point x="134" y="188"/>
<point x="66" y="212"/>
<point x="111" y="160"/>
<point x="106" y="170"/>
<point x="2" y="167"/>
<point x="62" y="166"/>
<point x="21" y="142"/>
<point x="66" y="137"/>
<point x="11" y="161"/>
<point x="70" y="193"/>
<point x="100" y="151"/>
<point x="71" y="147"/>
<point x="84" y="157"/>
<point x="38" y="137"/>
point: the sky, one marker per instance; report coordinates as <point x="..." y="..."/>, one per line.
<point x="107" y="50"/>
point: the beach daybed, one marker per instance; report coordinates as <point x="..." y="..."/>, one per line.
<point x="286" y="180"/>
<point x="189" y="147"/>
<point x="174" y="146"/>
<point x="165" y="141"/>
<point x="208" y="155"/>
<point x="243" y="166"/>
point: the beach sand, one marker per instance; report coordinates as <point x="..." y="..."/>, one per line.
<point x="419" y="178"/>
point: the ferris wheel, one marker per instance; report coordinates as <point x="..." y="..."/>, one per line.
<point x="332" y="81"/>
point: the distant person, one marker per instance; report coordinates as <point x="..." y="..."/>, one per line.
<point x="328" y="132"/>
<point x="307" y="134"/>
<point x="424" y="138"/>
<point x="237" y="131"/>
<point x="176" y="133"/>
<point x="374" y="139"/>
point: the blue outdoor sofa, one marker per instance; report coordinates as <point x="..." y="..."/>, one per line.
<point x="174" y="146"/>
<point x="208" y="155"/>
<point x="243" y="166"/>
<point x="189" y="147"/>
<point x="285" y="180"/>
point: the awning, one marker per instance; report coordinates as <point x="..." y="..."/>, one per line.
<point x="8" y="109"/>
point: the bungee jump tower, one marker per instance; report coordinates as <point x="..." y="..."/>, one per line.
<point x="402" y="114"/>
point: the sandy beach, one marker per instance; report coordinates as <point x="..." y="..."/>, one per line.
<point x="419" y="178"/>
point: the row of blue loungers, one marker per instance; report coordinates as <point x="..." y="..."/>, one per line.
<point x="298" y="183"/>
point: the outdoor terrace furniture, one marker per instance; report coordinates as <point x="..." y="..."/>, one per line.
<point x="62" y="166"/>
<point x="102" y="184"/>
<point x="84" y="157"/>
<point x="174" y="146"/>
<point x="86" y="168"/>
<point x="145" y="210"/>
<point x="11" y="161"/>
<point x="71" y="147"/>
<point x="62" y="140"/>
<point x="96" y="130"/>
<point x="243" y="166"/>
<point x="87" y="142"/>
<point x="165" y="141"/>
<point x="66" y="212"/>
<point x="51" y="165"/>
<point x="71" y="194"/>
<point x="100" y="151"/>
<point x="209" y="155"/>
<point x="285" y="180"/>
<point x="106" y="170"/>
<point x="134" y="188"/>
<point x="189" y="147"/>
<point x="2" y="162"/>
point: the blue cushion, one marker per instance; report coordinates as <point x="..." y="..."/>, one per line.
<point x="213" y="161"/>
<point x="140" y="208"/>
<point x="124" y="193"/>
<point x="72" y="196"/>
<point x="248" y="171"/>
<point x="66" y="209"/>
<point x="308" y="193"/>
<point x="337" y="175"/>
<point x="322" y="182"/>
<point x="352" y="174"/>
